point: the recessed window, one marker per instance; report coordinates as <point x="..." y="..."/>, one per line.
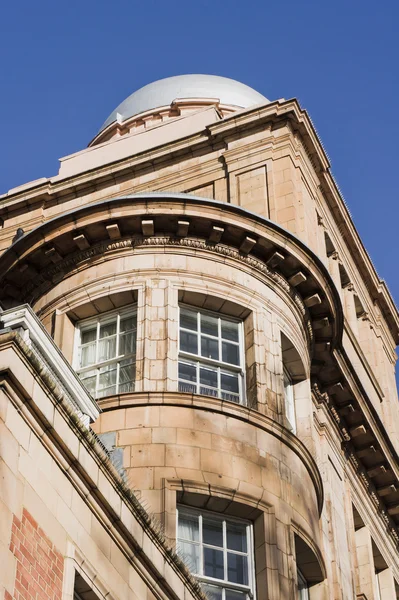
<point x="303" y="588"/>
<point x="211" y="355"/>
<point x="218" y="551"/>
<point x="106" y="353"/>
<point x="289" y="401"/>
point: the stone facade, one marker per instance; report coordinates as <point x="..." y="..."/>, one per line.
<point x="233" y="216"/>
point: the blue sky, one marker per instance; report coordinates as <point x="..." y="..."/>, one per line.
<point x="65" y="67"/>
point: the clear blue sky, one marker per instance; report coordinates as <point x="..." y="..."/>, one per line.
<point x="65" y="66"/>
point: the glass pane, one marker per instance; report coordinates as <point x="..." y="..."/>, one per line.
<point x="107" y="391"/>
<point x="126" y="387"/>
<point x="237" y="569"/>
<point x="88" y="335"/>
<point x="88" y="355"/>
<point x="209" y="348"/>
<point x="106" y="349"/>
<point x="187" y="372"/>
<point x="107" y="329"/>
<point x="89" y="380"/>
<point x="209" y="377"/>
<point x="126" y="373"/>
<point x="230" y="353"/>
<point x="213" y="563"/>
<point x="188" y="527"/>
<point x="188" y="320"/>
<point x="190" y="555"/>
<point x="188" y="388"/>
<point x="107" y="376"/>
<point x="127" y="343"/>
<point x="206" y="391"/>
<point x="127" y="324"/>
<point x="212" y="532"/>
<point x="209" y="325"/>
<point x="213" y="592"/>
<point x="188" y="342"/>
<point x="229" y="383"/>
<point x="234" y="595"/>
<point x="230" y="331"/>
<point x="236" y="537"/>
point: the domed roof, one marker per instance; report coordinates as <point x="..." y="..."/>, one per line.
<point x="164" y="91"/>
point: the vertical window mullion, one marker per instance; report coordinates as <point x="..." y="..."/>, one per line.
<point x="201" y="565"/>
<point x="118" y="322"/>
<point x="198" y="377"/>
<point x="199" y="351"/>
<point x="225" y="573"/>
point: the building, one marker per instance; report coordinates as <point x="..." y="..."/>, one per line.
<point x="195" y="350"/>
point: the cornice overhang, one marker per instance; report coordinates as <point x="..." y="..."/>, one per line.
<point x="33" y="264"/>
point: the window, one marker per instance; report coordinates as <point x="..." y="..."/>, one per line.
<point x="289" y="400"/>
<point x="210" y="355"/>
<point x="218" y="551"/>
<point x="106" y="353"/>
<point x="303" y="589"/>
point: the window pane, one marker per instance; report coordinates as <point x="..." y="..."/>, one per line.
<point x="188" y="528"/>
<point x="188" y="388"/>
<point x="107" y="329"/>
<point x="213" y="563"/>
<point x="237" y="568"/>
<point x="229" y="383"/>
<point x="88" y="335"/>
<point x="230" y="331"/>
<point x="213" y="592"/>
<point x="209" y="348"/>
<point x="230" y="353"/>
<point x="212" y="532"/>
<point x="106" y="349"/>
<point x="126" y="387"/>
<point x="89" y="380"/>
<point x="126" y="373"/>
<point x="107" y="376"/>
<point x="188" y="320"/>
<point x="127" y="343"/>
<point x="188" y="342"/>
<point x="88" y="355"/>
<point x="187" y="372"/>
<point x="237" y="537"/>
<point x="127" y="324"/>
<point x="209" y="325"/>
<point x="234" y="595"/>
<point x="190" y="555"/>
<point x="107" y="391"/>
<point x="208" y="377"/>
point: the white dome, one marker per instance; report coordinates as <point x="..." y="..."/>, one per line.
<point x="164" y="91"/>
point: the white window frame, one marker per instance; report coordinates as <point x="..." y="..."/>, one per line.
<point x="222" y="367"/>
<point x="250" y="589"/>
<point x="99" y="320"/>
<point x="289" y="399"/>
<point x="303" y="586"/>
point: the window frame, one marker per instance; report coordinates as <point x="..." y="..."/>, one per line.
<point x="289" y="399"/>
<point x="223" y="584"/>
<point x="222" y="367"/>
<point x="303" y="586"/>
<point x="99" y="320"/>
